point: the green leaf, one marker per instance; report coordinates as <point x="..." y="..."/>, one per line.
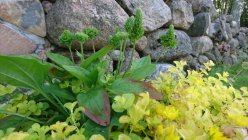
<point x="142" y="72"/>
<point x="11" y="122"/>
<point x="98" y="55"/>
<point x="23" y="71"/>
<point x="58" y="92"/>
<point x="78" y="72"/>
<point x="60" y="59"/>
<point x="96" y="105"/>
<point x="123" y="86"/>
<point x="141" y="62"/>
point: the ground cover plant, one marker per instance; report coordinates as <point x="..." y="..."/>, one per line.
<point x="80" y="100"/>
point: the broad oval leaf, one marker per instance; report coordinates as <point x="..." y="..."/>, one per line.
<point x="153" y="92"/>
<point x="96" y="105"/>
<point x="123" y="86"/>
<point x="27" y="72"/>
<point x="141" y="62"/>
<point x="142" y="72"/>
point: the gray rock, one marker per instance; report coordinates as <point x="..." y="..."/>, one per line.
<point x="160" y="68"/>
<point x="201" y="45"/>
<point x="194" y="64"/>
<point x="210" y="56"/>
<point x="203" y="6"/>
<point x="244" y="30"/>
<point x="234" y="44"/>
<point x="16" y="41"/>
<point x="153" y="48"/>
<point x="47" y="6"/>
<point x="155" y="12"/>
<point x="26" y="14"/>
<point x="75" y="15"/>
<point x="115" y="54"/>
<point x="243" y="40"/>
<point x="128" y="55"/>
<point x="217" y="55"/>
<point x="203" y="59"/>
<point x="200" y="25"/>
<point x="229" y="59"/>
<point x="182" y="14"/>
<point x="142" y="44"/>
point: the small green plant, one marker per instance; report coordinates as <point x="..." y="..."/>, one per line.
<point x="134" y="26"/>
<point x="92" y="32"/>
<point x="81" y="38"/>
<point x="66" y="38"/>
<point x="167" y="40"/>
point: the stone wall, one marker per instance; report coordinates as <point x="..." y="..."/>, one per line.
<point x="33" y="26"/>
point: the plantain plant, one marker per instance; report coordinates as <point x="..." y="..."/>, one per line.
<point x="87" y="82"/>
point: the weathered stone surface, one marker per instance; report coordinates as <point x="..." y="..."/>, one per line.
<point x="201" y="45"/>
<point x="243" y="40"/>
<point x="200" y="25"/>
<point x="115" y="54"/>
<point x="142" y="44"/>
<point x="203" y="59"/>
<point x="203" y="6"/>
<point x="75" y="15"/>
<point x="128" y="55"/>
<point x="210" y="56"/>
<point x="15" y="41"/>
<point x="155" y="12"/>
<point x="182" y="14"/>
<point x="154" y="47"/>
<point x="234" y="44"/>
<point x="26" y="14"/>
<point x="160" y="68"/>
<point x="47" y="6"/>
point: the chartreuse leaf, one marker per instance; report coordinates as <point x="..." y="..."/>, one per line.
<point x="123" y="86"/>
<point x="141" y="62"/>
<point x="60" y="59"/>
<point x="96" y="105"/>
<point x="27" y="72"/>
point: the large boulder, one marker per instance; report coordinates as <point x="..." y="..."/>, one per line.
<point x="182" y="14"/>
<point x="203" y="6"/>
<point x="201" y="45"/>
<point x="75" y="15"/>
<point x="155" y="12"/>
<point x="200" y="25"/>
<point x="154" y="48"/>
<point x="26" y="14"/>
<point x="15" y="41"/>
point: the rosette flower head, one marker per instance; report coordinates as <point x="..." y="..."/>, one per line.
<point x="92" y="32"/>
<point x="81" y="37"/>
<point x="66" y="38"/>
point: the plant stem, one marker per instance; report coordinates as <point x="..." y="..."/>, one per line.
<point x="94" y="50"/>
<point x="120" y="59"/>
<point x="132" y="55"/>
<point x="82" y="50"/>
<point x="123" y="53"/>
<point x="20" y="115"/>
<point x="71" y="54"/>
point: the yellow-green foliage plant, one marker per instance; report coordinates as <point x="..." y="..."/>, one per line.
<point x="195" y="107"/>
